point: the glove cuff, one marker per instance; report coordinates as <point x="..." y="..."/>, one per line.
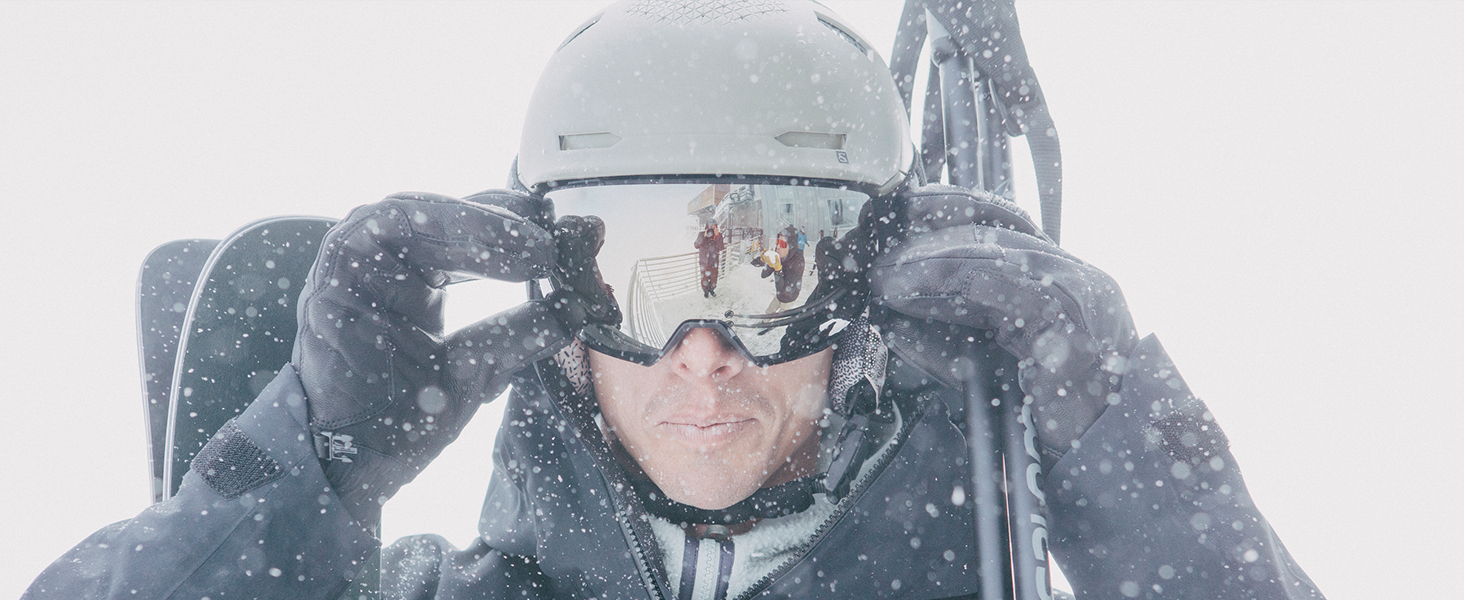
<point x="364" y="481"/>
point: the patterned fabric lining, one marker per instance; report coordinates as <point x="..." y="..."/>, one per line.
<point x="574" y="362"/>
<point x="861" y="357"/>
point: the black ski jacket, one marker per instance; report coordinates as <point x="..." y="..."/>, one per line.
<point x="1150" y="505"/>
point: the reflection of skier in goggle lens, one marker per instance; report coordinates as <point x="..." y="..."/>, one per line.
<point x="731" y="257"/>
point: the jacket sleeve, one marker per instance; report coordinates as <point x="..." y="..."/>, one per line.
<point x="496" y="564"/>
<point x="254" y="518"/>
<point x="427" y="566"/>
<point x="1151" y="503"/>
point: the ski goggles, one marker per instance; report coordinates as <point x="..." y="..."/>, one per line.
<point x="764" y="265"/>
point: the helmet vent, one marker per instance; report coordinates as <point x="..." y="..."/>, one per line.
<point x="586" y="141"/>
<point x="809" y="139"/>
<point x="588" y="24"/>
<point x="690" y="12"/>
<point x="848" y="37"/>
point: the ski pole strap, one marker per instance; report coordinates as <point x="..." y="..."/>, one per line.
<point x="988" y="33"/>
<point x="909" y="39"/>
<point x="1047" y="162"/>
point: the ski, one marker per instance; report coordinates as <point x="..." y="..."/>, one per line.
<point x="164" y="286"/>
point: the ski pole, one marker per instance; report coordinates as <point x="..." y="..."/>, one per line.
<point x="966" y="137"/>
<point x="963" y="141"/>
<point x="962" y="121"/>
<point x="1026" y="517"/>
<point x="978" y="158"/>
<point x="993" y="563"/>
<point x="993" y="152"/>
<point x="963" y="132"/>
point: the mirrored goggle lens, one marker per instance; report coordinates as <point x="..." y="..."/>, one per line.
<point x="761" y="261"/>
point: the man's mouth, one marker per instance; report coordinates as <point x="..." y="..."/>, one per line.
<point x="707" y="433"/>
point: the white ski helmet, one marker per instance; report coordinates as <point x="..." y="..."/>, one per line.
<point x="777" y="88"/>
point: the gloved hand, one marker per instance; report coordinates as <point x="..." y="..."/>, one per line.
<point x="580" y="293"/>
<point x="973" y="263"/>
<point x="387" y="389"/>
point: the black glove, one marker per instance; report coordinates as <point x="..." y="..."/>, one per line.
<point x="387" y="389"/>
<point x="580" y="293"/>
<point x="974" y="262"/>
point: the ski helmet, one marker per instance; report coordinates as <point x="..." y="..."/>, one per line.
<point x="772" y="88"/>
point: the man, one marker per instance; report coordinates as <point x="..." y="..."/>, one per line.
<point x="708" y="258"/>
<point x="784" y="263"/>
<point x="720" y="454"/>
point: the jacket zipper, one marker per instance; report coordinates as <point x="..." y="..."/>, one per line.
<point x="648" y="575"/>
<point x="615" y="490"/>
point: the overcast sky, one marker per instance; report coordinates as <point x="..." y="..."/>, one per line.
<point x="1272" y="183"/>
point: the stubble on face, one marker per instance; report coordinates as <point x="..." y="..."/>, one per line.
<point x="710" y="428"/>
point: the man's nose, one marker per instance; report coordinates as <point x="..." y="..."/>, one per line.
<point x="705" y="355"/>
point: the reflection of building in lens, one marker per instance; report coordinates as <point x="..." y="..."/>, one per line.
<point x="746" y="212"/>
<point x="770" y="224"/>
<point x="735" y="214"/>
<point x="807" y="209"/>
<point x="735" y="210"/>
<point x="704" y="205"/>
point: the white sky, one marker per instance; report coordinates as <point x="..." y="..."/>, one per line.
<point x="1272" y="183"/>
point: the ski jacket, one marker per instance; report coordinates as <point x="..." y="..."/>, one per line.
<point x="823" y="253"/>
<point x="709" y="248"/>
<point x="787" y="271"/>
<point x="1149" y="504"/>
<point x="709" y="255"/>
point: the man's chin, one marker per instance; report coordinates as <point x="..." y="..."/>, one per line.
<point x="706" y="493"/>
